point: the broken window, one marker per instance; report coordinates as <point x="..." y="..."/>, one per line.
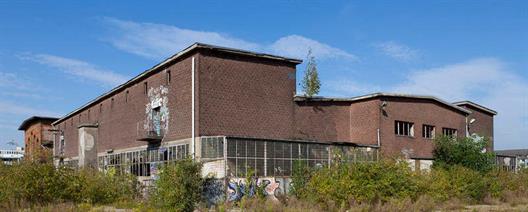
<point x="450" y="132"/>
<point x="428" y="131"/>
<point x="404" y="128"/>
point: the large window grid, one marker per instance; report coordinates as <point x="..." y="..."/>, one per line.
<point x="141" y="162"/>
<point x="275" y="158"/>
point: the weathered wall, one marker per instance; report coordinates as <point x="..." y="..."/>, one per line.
<point x="32" y="140"/>
<point x="419" y="112"/>
<point x="120" y="115"/>
<point x="365" y="121"/>
<point x="245" y="96"/>
<point x="34" y="136"/>
<point x="483" y="125"/>
<point x="87" y="146"/>
<point x="322" y="121"/>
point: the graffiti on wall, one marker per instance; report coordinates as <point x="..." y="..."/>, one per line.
<point x="213" y="191"/>
<point x="157" y="110"/>
<point x="271" y="187"/>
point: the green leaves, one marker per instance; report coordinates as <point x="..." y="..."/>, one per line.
<point x="310" y="83"/>
<point x="467" y="152"/>
<point x="179" y="186"/>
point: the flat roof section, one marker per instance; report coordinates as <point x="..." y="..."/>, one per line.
<point x="376" y="95"/>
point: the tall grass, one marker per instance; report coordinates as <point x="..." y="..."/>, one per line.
<point x="29" y="184"/>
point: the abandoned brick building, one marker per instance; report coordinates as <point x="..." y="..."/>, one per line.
<point x="38" y="139"/>
<point x="235" y="109"/>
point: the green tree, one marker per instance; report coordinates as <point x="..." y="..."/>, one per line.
<point x="468" y="152"/>
<point x="310" y="82"/>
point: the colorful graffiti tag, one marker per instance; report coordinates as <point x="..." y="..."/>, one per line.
<point x="238" y="188"/>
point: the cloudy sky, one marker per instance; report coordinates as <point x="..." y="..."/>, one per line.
<point x="56" y="56"/>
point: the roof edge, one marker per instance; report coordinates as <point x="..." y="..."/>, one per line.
<point x="25" y="123"/>
<point x="480" y="107"/>
<point x="379" y="94"/>
<point x="171" y="59"/>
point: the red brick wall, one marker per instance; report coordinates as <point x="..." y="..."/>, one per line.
<point x="418" y="112"/>
<point x="118" y="123"/>
<point x="483" y="124"/>
<point x="322" y="121"/>
<point x="33" y="137"/>
<point x="365" y="121"/>
<point x="244" y="96"/>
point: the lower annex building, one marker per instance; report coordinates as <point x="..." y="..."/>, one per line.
<point x="234" y="109"/>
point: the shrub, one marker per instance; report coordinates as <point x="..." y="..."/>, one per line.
<point x="179" y="186"/>
<point x="466" y="152"/>
<point x="41" y="184"/>
<point x="455" y="182"/>
<point x="301" y="174"/>
<point x="362" y="182"/>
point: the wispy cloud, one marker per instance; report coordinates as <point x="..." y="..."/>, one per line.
<point x="298" y="46"/>
<point x="484" y="80"/>
<point x="7" y="107"/>
<point x="348" y="88"/>
<point x="78" y="68"/>
<point x="397" y="51"/>
<point x="12" y="81"/>
<point x="156" y="41"/>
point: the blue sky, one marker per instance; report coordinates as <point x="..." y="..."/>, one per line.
<point x="56" y="56"/>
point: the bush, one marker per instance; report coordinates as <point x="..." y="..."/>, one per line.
<point x="179" y="186"/>
<point x="455" y="182"/>
<point x="361" y="183"/>
<point x="300" y="176"/>
<point x="467" y="152"/>
<point x="41" y="184"/>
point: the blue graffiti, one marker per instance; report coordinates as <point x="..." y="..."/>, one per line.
<point x="239" y="190"/>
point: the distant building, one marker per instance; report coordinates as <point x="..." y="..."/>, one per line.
<point x="38" y="139"/>
<point x="11" y="156"/>
<point x="520" y="156"/>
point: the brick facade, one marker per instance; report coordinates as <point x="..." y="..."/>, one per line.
<point x="238" y="93"/>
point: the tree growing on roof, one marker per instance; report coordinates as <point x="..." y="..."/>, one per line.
<point x="310" y="83"/>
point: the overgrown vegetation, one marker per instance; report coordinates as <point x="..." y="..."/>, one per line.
<point x="468" y="152"/>
<point x="30" y="184"/>
<point x="385" y="185"/>
<point x="311" y="83"/>
<point x="179" y="186"/>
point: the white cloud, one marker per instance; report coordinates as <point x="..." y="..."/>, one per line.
<point x="298" y="46"/>
<point x="18" y="109"/>
<point x="397" y="51"/>
<point x="155" y="41"/>
<point x="78" y="68"/>
<point x="486" y="81"/>
<point x="348" y="88"/>
<point x="12" y="81"/>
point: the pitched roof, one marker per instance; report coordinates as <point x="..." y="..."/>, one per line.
<point x="173" y="58"/>
<point x="475" y="105"/>
<point x="380" y="94"/>
<point x="25" y="124"/>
